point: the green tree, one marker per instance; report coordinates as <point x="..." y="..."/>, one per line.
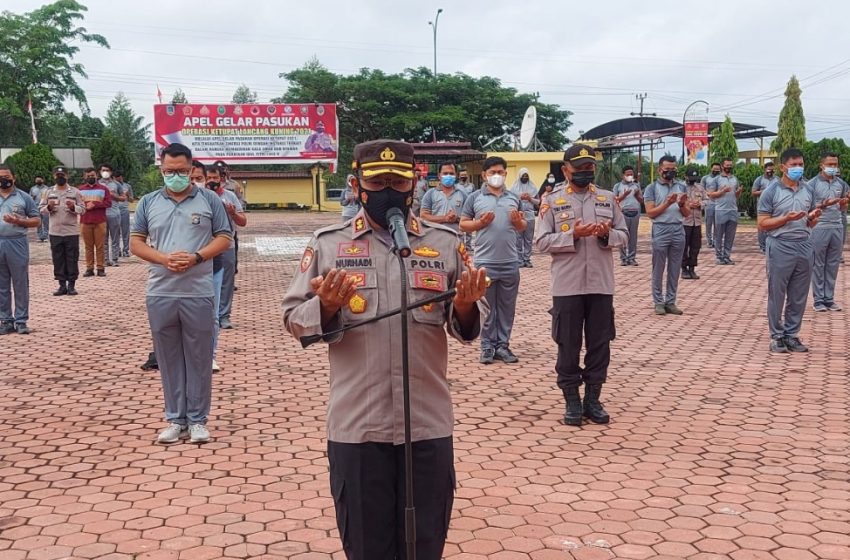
<point x="148" y="181"/>
<point x="791" y="130"/>
<point x="179" y="97"/>
<point x="813" y="151"/>
<point x="37" y="51"/>
<point x="243" y="94"/>
<point x="67" y="130"/>
<point x="32" y="160"/>
<point x="723" y="144"/>
<point x="128" y="127"/>
<point x="116" y="152"/>
<point x="747" y="174"/>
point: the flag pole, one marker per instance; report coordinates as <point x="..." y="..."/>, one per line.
<point x="32" y="120"/>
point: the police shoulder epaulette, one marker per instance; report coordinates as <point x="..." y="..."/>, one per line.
<point x="332" y="227"/>
<point x="433" y="225"/>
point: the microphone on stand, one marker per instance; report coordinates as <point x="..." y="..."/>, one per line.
<point x="395" y="221"/>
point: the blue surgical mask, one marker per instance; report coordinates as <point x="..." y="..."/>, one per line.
<point x="448" y="180"/>
<point x="176" y="183"/>
<point x="830" y="171"/>
<point x="795" y="173"/>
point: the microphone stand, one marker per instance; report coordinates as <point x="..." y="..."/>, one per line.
<point x="409" y="509"/>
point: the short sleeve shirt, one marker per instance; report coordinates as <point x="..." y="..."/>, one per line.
<point x="227" y="196"/>
<point x="728" y="203"/>
<point x="437" y="203"/>
<point x="822" y="190"/>
<point x="21" y="204"/>
<point x="496" y="243"/>
<point x="657" y="193"/>
<point x="631" y="201"/>
<point x="116" y="189"/>
<point x="778" y="199"/>
<point x="127" y="189"/>
<point x="188" y="226"/>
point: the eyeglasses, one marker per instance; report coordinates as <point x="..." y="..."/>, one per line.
<point x="182" y="173"/>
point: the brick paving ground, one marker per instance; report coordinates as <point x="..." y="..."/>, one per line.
<point x="716" y="450"/>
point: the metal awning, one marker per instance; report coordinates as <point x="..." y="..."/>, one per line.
<point x="438" y="152"/>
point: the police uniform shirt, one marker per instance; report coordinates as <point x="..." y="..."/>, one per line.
<point x="496" y="243"/>
<point x="824" y="189"/>
<point x="779" y="199"/>
<point x="657" y="193"/>
<point x="631" y="201"/>
<point x="63" y="221"/>
<point x="694" y="192"/>
<point x="728" y="203"/>
<point x="188" y="225"/>
<point x="438" y="203"/>
<point x="22" y="205"/>
<point x="366" y="398"/>
<point x="584" y="265"/>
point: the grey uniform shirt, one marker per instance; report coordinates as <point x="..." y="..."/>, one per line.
<point x="127" y="189"/>
<point x="705" y="181"/>
<point x="36" y="192"/>
<point x="824" y="189"/>
<point x="20" y="203"/>
<point x="778" y="199"/>
<point x="496" y="243"/>
<point x="658" y="192"/>
<point x="761" y="183"/>
<point x="64" y="221"/>
<point x="366" y="399"/>
<point x="230" y="196"/>
<point x="188" y="226"/>
<point x="582" y="265"/>
<point x="630" y="202"/>
<point x="727" y="205"/>
<point x="527" y="206"/>
<point x="436" y="202"/>
<point x="115" y="190"/>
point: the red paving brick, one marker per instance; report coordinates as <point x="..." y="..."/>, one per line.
<point x="716" y="450"/>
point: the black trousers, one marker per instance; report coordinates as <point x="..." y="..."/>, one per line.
<point x="590" y="315"/>
<point x="367" y="483"/>
<point x="65" y="251"/>
<point x="693" y="243"/>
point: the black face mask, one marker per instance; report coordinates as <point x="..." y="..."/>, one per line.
<point x="91" y="180"/>
<point x="768" y="173"/>
<point x="61" y="181"/>
<point x="669" y="175"/>
<point x="39" y="182"/>
<point x="582" y="179"/>
<point x="523" y="180"/>
<point x="692" y="181"/>
<point x="213" y="185"/>
<point x="6" y="183"/>
<point x="715" y="173"/>
<point x="377" y="203"/>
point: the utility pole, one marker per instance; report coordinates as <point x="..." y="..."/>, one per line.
<point x="641" y="97"/>
<point x="434" y="24"/>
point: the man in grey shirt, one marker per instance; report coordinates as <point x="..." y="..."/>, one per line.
<point x="494" y="213"/>
<point x="725" y="190"/>
<point x="759" y="185"/>
<point x="628" y="196"/>
<point x="710" y="204"/>
<point x="37" y="193"/>
<point x="787" y="212"/>
<point x="179" y="229"/>
<point x="443" y="204"/>
<point x="112" y="245"/>
<point x="124" y="210"/>
<point x="830" y="194"/>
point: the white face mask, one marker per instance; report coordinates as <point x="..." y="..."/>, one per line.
<point x="199" y="184"/>
<point x="629" y="179"/>
<point x="105" y="174"/>
<point x="496" y="181"/>
<point x="550" y="180"/>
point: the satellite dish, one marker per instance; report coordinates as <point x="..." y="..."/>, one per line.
<point x="529" y="126"/>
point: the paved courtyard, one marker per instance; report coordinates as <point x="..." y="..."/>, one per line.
<point x="716" y="449"/>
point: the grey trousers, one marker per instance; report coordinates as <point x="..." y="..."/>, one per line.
<point x="724" y="237"/>
<point x="523" y="243"/>
<point x="502" y="294"/>
<point x="762" y="237"/>
<point x="125" y="229"/>
<point x="628" y="254"/>
<point x="44" y="227"/>
<point x="112" y="245"/>
<point x="789" y="270"/>
<point x="827" y="244"/>
<point x="14" y="277"/>
<point x="668" y="247"/>
<point x="228" y="262"/>
<point x="709" y="224"/>
<point x="182" y="330"/>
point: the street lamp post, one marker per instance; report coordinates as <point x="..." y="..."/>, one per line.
<point x="433" y="25"/>
<point x="685" y="116"/>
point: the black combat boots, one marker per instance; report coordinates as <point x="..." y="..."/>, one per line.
<point x="573" y="413"/>
<point x="592" y="407"/>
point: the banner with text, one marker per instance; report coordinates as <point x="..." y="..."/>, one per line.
<point x="250" y="134"/>
<point x="696" y="142"/>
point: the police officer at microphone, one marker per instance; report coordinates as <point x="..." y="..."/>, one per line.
<point x="348" y="273"/>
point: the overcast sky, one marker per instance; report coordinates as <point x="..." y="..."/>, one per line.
<point x="588" y="57"/>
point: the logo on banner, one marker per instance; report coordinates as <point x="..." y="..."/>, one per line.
<point x="320" y="110"/>
<point x="238" y="110"/>
<point x="287" y="109"/>
<point x="255" y="110"/>
<point x="303" y="110"/>
<point x="169" y="110"/>
<point x="205" y="110"/>
<point x="187" y="110"/>
<point x="271" y="109"/>
<point x="221" y="109"/>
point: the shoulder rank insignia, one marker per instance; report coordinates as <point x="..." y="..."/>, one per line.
<point x="414" y="225"/>
<point x="565" y="227"/>
<point x="359" y="225"/>
<point x="357" y="304"/>
<point x="464" y="254"/>
<point x="426" y="251"/>
<point x="544" y="209"/>
<point x="306" y="259"/>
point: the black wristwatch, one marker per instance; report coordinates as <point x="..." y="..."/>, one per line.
<point x="199" y="258"/>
